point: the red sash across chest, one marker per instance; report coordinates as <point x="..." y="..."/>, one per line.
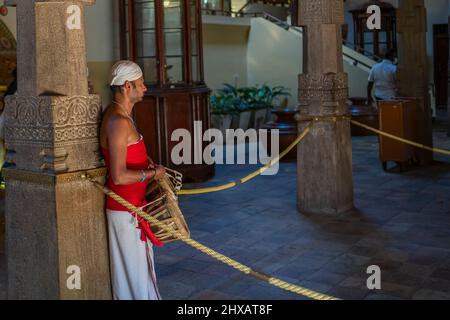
<point x="134" y="193"/>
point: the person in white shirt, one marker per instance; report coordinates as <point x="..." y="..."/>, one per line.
<point x="382" y="78"/>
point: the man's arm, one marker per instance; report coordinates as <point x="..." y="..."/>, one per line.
<point x="370" y="85"/>
<point x="369" y="92"/>
<point x="151" y="162"/>
<point x="118" y="130"/>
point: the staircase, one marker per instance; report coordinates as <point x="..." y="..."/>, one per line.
<point x="278" y="9"/>
<point x="356" y="65"/>
<point x="364" y="60"/>
<point x="279" y="13"/>
<point x="275" y="48"/>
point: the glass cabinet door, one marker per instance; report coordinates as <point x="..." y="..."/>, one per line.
<point x="146" y="55"/>
<point x="194" y="42"/>
<point x="162" y="36"/>
<point x="173" y="42"/>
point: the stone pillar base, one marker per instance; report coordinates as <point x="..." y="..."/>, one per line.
<point x="54" y="222"/>
<point x="324" y="160"/>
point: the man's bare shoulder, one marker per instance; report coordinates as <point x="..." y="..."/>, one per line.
<point x="115" y="120"/>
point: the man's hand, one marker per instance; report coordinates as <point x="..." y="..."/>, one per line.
<point x="151" y="163"/>
<point x="160" y="172"/>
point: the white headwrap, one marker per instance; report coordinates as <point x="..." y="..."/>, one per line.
<point x="123" y="71"/>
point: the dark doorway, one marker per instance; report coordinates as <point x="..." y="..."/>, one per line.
<point x="441" y="56"/>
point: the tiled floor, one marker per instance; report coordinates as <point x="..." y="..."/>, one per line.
<point x="401" y="222"/>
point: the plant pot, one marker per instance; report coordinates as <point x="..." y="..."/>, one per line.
<point x="235" y="121"/>
<point x="260" y="117"/>
<point x="241" y="120"/>
<point x="221" y="121"/>
<point x="269" y="115"/>
<point x="244" y="119"/>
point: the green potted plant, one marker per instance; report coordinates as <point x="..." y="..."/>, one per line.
<point x="245" y="106"/>
<point x="265" y="100"/>
<point x="221" y="111"/>
<point x="241" y="109"/>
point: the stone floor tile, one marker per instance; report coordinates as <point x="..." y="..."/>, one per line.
<point x="426" y="294"/>
<point x="381" y="296"/>
<point x="442" y="273"/>
<point x="348" y="293"/>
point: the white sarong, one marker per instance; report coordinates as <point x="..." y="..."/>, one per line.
<point x="132" y="268"/>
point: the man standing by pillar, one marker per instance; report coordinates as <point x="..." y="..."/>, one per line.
<point x="129" y="170"/>
<point x="324" y="157"/>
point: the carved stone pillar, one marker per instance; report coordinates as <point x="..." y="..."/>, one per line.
<point x="412" y="73"/>
<point x="55" y="220"/>
<point x="325" y="182"/>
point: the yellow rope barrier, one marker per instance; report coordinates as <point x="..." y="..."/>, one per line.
<point x="251" y="175"/>
<point x="298" y="140"/>
<point x="214" y="254"/>
<point x="233" y="263"/>
<point x="415" y="144"/>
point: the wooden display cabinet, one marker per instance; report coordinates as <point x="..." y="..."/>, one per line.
<point x="165" y="39"/>
<point x="397" y="117"/>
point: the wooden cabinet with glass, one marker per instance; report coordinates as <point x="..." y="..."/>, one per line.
<point x="375" y="42"/>
<point x="165" y="39"/>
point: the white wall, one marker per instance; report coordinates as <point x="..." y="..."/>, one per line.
<point x="99" y="26"/>
<point x="357" y="75"/>
<point x="100" y="42"/>
<point x="224" y="54"/>
<point x="236" y="5"/>
<point x="10" y="21"/>
<point x="274" y="57"/>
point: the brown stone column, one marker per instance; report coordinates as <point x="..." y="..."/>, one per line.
<point x="325" y="182"/>
<point x="412" y="71"/>
<point x="55" y="220"/>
